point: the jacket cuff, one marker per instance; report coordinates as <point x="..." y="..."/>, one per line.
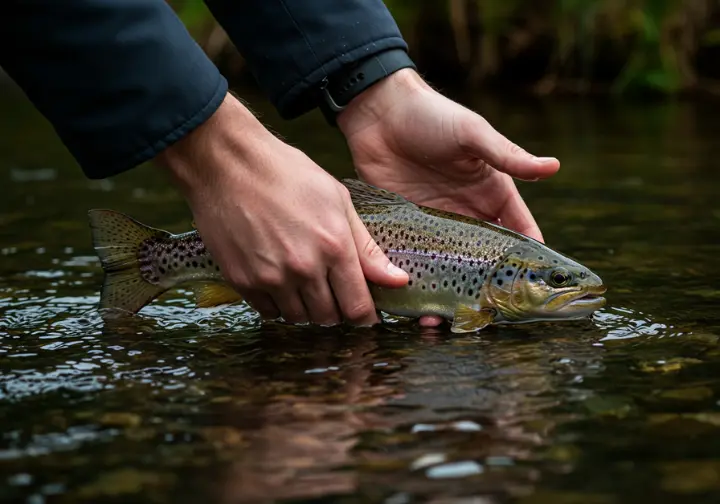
<point x="304" y="95"/>
<point x="177" y="131"/>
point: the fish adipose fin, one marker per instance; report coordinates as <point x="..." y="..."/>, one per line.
<point x="214" y="294"/>
<point x="365" y="194"/>
<point x="467" y="319"/>
<point x="117" y="239"/>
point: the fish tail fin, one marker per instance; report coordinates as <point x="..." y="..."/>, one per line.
<point x="117" y="239"/>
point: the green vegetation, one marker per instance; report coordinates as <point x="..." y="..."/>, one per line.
<point x="579" y="46"/>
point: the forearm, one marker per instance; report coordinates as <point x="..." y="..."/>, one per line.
<point x="119" y="81"/>
<point x="227" y="145"/>
<point x="291" y="46"/>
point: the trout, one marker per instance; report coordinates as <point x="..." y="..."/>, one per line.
<point x="468" y="271"/>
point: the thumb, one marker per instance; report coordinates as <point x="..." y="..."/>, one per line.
<point x="376" y="267"/>
<point x="478" y="137"/>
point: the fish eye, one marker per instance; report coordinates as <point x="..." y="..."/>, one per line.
<point x="560" y="277"/>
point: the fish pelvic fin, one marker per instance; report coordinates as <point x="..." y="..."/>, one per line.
<point x="117" y="239"/>
<point x="467" y="319"/>
<point x="363" y="194"/>
<point x="215" y="294"/>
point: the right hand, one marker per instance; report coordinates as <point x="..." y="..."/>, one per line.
<point x="283" y="231"/>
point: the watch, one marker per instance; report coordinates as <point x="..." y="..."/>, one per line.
<point x="338" y="89"/>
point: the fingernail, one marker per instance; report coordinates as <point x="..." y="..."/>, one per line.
<point x="394" y="270"/>
<point x="543" y="160"/>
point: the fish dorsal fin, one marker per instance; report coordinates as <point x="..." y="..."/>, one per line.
<point x="215" y="294"/>
<point x="365" y="194"/>
<point x="467" y="319"/>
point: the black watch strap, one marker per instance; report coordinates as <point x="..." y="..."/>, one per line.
<point x="338" y="89"/>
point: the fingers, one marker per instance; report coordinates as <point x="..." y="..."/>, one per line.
<point x="342" y="293"/>
<point x="477" y="136"/>
<point x="263" y="304"/>
<point x="337" y="290"/>
<point x="320" y="303"/>
<point x="352" y="294"/>
<point x="291" y="307"/>
<point x="364" y="262"/>
<point x="430" y="321"/>
<point x="376" y="267"/>
<point x="515" y="214"/>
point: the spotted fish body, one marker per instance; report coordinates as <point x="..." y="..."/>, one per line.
<point x="463" y="269"/>
<point x="172" y="260"/>
<point x="448" y="259"/>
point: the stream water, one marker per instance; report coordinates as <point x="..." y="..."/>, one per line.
<point x="186" y="405"/>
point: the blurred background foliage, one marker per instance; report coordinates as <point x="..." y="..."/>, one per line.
<point x="663" y="47"/>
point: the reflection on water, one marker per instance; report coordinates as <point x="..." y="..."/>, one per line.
<point x="188" y="405"/>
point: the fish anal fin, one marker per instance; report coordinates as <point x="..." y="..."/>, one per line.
<point x="362" y="193"/>
<point x="215" y="294"/>
<point x="467" y="319"/>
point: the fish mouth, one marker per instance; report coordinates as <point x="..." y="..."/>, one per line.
<point x="588" y="299"/>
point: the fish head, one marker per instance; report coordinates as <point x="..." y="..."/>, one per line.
<point x="533" y="282"/>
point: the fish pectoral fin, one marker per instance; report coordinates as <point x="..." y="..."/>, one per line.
<point x="467" y="319"/>
<point x="366" y="194"/>
<point x="215" y="294"/>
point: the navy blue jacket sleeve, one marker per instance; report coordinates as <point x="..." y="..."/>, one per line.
<point x="119" y="80"/>
<point x="291" y="45"/>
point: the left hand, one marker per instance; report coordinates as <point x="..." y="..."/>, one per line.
<point x="407" y="138"/>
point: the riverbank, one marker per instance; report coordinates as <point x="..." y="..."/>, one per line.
<point x="622" y="47"/>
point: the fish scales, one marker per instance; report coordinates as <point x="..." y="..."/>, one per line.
<point x="463" y="269"/>
<point x="170" y="260"/>
<point x="448" y="260"/>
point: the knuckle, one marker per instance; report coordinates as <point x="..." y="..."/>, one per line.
<point x="344" y="193"/>
<point x="514" y="148"/>
<point x="301" y="266"/>
<point x="333" y="245"/>
<point x="269" y="279"/>
<point x="371" y="249"/>
<point x="463" y="132"/>
<point x="360" y="310"/>
<point x="467" y="126"/>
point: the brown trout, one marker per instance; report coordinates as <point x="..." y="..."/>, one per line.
<point x="466" y="270"/>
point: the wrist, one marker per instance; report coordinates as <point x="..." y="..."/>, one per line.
<point x="373" y="103"/>
<point x="342" y="86"/>
<point x="222" y="144"/>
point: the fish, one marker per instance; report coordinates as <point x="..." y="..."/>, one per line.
<point x="468" y="271"/>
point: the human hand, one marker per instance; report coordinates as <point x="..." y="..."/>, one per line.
<point x="407" y="138"/>
<point x="283" y="231"/>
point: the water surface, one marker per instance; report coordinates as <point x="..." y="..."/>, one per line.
<point x="186" y="405"/>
